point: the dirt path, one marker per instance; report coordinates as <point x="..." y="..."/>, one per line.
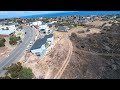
<point x="48" y="74"/>
<point x="60" y="72"/>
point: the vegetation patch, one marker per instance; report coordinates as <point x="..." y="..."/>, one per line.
<point x="13" y="40"/>
<point x="17" y="71"/>
<point x="2" y="42"/>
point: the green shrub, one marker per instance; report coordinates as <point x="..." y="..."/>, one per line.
<point x="16" y="71"/>
<point x="2" y="42"/>
<point x="25" y="73"/>
<point x="14" y="39"/>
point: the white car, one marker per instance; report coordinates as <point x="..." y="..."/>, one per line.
<point x="27" y="47"/>
<point x="31" y="42"/>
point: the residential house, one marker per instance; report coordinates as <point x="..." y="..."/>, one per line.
<point x="45" y="29"/>
<point x="52" y="22"/>
<point x="7" y="30"/>
<point x="37" y="23"/>
<point x="41" y="45"/>
<point x="63" y="28"/>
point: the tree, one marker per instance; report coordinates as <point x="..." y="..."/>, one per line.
<point x="14" y="70"/>
<point x="25" y="73"/>
<point x="2" y="42"/>
<point x="14" y="39"/>
<point x="19" y="21"/>
<point x="6" y="77"/>
<point x="73" y="35"/>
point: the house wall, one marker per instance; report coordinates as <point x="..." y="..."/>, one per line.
<point x="50" y="39"/>
<point x="37" y="23"/>
<point x="11" y="27"/>
<point x="46" y="28"/>
<point x="39" y="50"/>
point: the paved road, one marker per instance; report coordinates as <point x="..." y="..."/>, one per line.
<point x="19" y="51"/>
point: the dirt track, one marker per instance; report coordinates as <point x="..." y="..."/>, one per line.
<point x="60" y="72"/>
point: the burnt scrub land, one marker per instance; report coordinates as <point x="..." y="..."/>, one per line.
<point x="96" y="56"/>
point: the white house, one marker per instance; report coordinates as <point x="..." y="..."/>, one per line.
<point x="37" y="23"/>
<point x="45" y="29"/>
<point x="7" y="29"/>
<point x="52" y="22"/>
<point x="41" y="45"/>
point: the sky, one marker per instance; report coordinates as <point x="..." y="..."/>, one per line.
<point x="16" y="14"/>
<point x="12" y="14"/>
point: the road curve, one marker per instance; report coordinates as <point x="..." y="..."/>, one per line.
<point x="17" y="53"/>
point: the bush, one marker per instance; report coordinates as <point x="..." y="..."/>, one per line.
<point x="6" y="77"/>
<point x="87" y="30"/>
<point x="73" y="35"/>
<point x="16" y="71"/>
<point x="14" y="39"/>
<point x="2" y="42"/>
<point x="80" y="32"/>
<point x="25" y="73"/>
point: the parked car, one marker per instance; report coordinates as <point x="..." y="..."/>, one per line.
<point x="20" y="41"/>
<point x="31" y="42"/>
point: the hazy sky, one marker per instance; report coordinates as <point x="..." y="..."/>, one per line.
<point x="9" y="14"/>
<point x="12" y="14"/>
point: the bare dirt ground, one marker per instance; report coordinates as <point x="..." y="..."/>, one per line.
<point x="4" y="52"/>
<point x="64" y="65"/>
<point x="49" y="66"/>
<point x="97" y="23"/>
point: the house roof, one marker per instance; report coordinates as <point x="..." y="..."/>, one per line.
<point x="37" y="23"/>
<point x="62" y="28"/>
<point x="12" y="29"/>
<point x="43" y="26"/>
<point x="40" y="42"/>
<point x="6" y="32"/>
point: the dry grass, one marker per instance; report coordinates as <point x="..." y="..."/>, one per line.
<point x="97" y="23"/>
<point x="4" y="52"/>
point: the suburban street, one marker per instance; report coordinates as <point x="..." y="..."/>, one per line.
<point x="17" y="53"/>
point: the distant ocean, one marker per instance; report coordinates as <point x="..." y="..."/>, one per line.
<point x="76" y="13"/>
